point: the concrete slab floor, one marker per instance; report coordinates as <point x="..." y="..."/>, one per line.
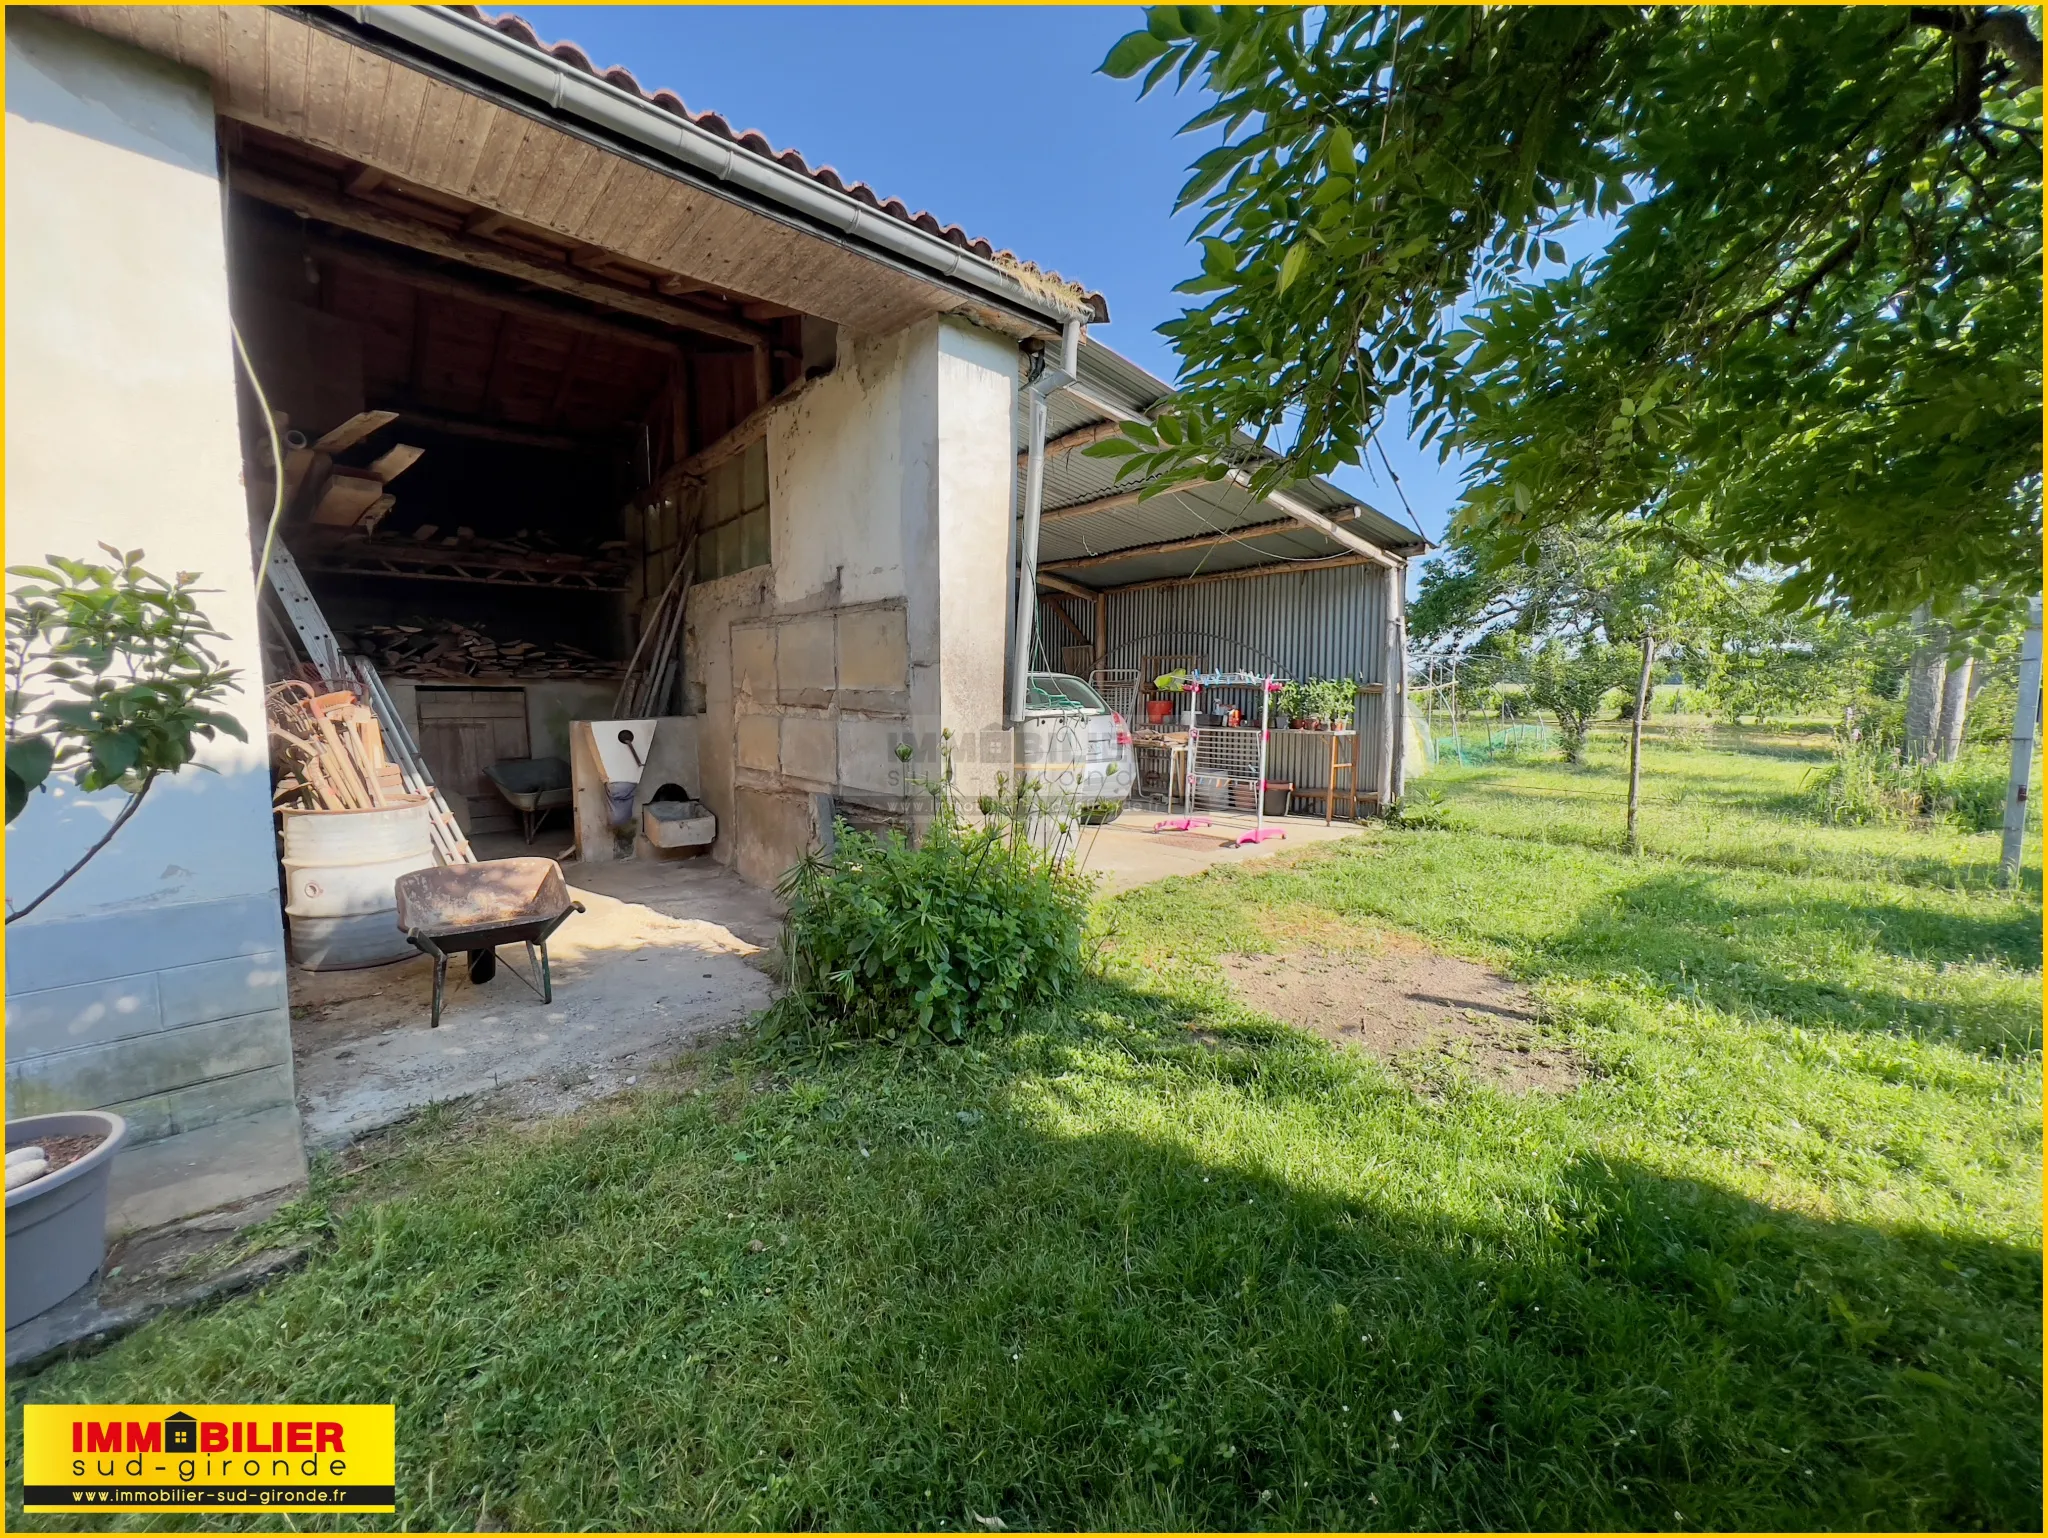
<point x="661" y="961"/>
<point x="1129" y="852"/>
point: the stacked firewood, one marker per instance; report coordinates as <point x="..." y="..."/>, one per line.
<point x="448" y="650"/>
<point x="537" y="544"/>
<point x="329" y="749"/>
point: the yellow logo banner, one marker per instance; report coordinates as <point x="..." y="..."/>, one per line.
<point x="232" y="1457"/>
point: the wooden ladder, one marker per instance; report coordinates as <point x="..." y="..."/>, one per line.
<point x="451" y="844"/>
<point x="1350" y="768"/>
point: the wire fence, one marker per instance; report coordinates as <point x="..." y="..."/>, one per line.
<point x="1489" y="741"/>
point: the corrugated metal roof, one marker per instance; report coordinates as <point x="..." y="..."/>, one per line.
<point x="1074" y="478"/>
<point x="520" y="30"/>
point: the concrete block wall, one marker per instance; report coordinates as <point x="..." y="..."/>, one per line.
<point x="153" y="982"/>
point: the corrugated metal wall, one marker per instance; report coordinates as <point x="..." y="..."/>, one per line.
<point x="1310" y="624"/>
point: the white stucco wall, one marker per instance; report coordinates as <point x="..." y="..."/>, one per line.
<point x="154" y="981"/>
<point x="837" y="459"/>
<point x="967" y="565"/>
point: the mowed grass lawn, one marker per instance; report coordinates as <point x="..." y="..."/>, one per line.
<point x="1155" y="1261"/>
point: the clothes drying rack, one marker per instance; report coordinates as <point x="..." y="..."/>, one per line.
<point x="1225" y="762"/>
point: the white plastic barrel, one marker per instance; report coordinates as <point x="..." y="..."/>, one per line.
<point x="339" y="871"/>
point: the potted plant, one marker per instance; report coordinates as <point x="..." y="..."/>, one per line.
<point x="1333" y="701"/>
<point x="57" y="1206"/>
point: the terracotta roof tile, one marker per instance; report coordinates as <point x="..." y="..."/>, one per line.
<point x="518" y="29"/>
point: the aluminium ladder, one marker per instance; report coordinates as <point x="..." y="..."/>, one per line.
<point x="451" y="845"/>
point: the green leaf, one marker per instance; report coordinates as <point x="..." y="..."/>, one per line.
<point x="1132" y="53"/>
<point x="114" y="754"/>
<point x="29" y="761"/>
<point x="1163" y="22"/>
<point x="1340" y="152"/>
<point x="1292" y="263"/>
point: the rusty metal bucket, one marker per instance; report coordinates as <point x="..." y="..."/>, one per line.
<point x="477" y="908"/>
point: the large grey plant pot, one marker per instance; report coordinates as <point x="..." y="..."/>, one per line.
<point x="57" y="1226"/>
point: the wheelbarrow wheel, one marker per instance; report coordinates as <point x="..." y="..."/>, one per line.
<point x="483" y="966"/>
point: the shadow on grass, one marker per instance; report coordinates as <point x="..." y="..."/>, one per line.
<point x="1773" y="852"/>
<point x="1103" y="1277"/>
<point x="1689" y="939"/>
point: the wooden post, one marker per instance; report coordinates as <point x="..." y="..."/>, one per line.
<point x="1635" y="742"/>
<point x="1101" y="632"/>
<point x="1397" y="580"/>
<point x="1383" y="780"/>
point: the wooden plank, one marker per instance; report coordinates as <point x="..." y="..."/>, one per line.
<point x="483" y="294"/>
<point x="495" y="433"/>
<point x="327" y="61"/>
<point x="353" y="431"/>
<point x="1321" y="522"/>
<point x="1072" y="624"/>
<point x="334" y="209"/>
<point x="395" y="462"/>
<point x="397" y="130"/>
<point x="1169" y="546"/>
<point x="1061" y="585"/>
<point x="348" y="496"/>
<point x="363" y="87"/>
<point x="287" y="67"/>
<point x="1288" y="568"/>
<point x="1079" y="438"/>
<point x="1111" y="501"/>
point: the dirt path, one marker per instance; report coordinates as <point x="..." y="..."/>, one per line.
<point x="1407" y="1004"/>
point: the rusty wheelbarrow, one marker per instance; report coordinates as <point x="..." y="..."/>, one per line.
<point x="477" y="908"/>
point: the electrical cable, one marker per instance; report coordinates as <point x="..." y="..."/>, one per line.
<point x="276" y="458"/>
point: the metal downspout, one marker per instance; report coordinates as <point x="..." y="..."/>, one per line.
<point x="1025" y="628"/>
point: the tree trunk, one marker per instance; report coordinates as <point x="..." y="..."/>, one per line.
<point x="1635" y="743"/>
<point x="1924" y="689"/>
<point x="1956" y="694"/>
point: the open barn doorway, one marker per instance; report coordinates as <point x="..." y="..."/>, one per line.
<point x="494" y="466"/>
<point x="478" y="417"/>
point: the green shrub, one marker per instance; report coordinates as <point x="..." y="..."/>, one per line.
<point x="1865" y="783"/>
<point x="935" y="940"/>
<point x="1860" y="786"/>
<point x="1970" y="793"/>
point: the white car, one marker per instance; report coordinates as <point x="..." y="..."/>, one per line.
<point x="1075" y="747"/>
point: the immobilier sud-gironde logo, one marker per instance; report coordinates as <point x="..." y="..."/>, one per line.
<point x="200" y="1458"/>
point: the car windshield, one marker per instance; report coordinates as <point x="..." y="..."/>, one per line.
<point x="1062" y="694"/>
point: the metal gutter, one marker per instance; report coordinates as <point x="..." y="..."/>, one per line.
<point x="565" y="90"/>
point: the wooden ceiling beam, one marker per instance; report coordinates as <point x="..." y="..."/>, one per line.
<point x="1277" y="569"/>
<point x="484" y="294"/>
<point x="366" y="219"/>
<point x="1062" y="585"/>
<point x="1079" y="438"/>
<point x="496" y="432"/>
<point x="1114" y="500"/>
<point x="1169" y="546"/>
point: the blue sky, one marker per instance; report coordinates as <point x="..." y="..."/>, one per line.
<point x="991" y="117"/>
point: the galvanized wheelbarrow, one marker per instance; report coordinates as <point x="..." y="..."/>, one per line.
<point x="477" y="908"/>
